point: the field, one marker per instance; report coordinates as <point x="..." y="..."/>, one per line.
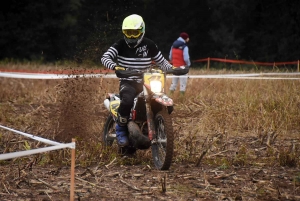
<point x="235" y="139"/>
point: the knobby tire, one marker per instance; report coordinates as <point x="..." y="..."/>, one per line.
<point x="162" y="153"/>
<point x="108" y="127"/>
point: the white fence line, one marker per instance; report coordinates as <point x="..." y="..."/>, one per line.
<point x="56" y="145"/>
<point x="32" y="136"/>
<point x="36" y="151"/>
<point x="224" y="76"/>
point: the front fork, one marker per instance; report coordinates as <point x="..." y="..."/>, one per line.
<point x="149" y="113"/>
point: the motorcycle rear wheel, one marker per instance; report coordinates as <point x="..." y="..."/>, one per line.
<point x="163" y="146"/>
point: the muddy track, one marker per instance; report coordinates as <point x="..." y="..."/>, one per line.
<point x="141" y="182"/>
<point x="214" y="166"/>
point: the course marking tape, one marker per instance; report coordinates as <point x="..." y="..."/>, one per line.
<point x="32" y="136"/>
<point x="51" y="76"/>
<point x="36" y="151"/>
<point x="56" y="145"/>
<point x="65" y="76"/>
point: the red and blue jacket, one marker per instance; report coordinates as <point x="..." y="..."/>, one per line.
<point x="179" y="53"/>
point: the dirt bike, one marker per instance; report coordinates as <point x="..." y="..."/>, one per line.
<point x="150" y="122"/>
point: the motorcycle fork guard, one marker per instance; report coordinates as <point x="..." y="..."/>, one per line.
<point x="165" y="101"/>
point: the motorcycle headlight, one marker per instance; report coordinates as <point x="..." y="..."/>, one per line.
<point x="156" y="86"/>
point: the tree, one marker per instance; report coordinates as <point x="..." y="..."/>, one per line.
<point x="36" y="30"/>
<point x="276" y="34"/>
<point x="229" y="26"/>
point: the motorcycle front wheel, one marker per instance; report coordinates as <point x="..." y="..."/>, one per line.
<point x="163" y="143"/>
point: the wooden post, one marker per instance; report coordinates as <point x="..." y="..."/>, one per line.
<point x="298" y="67"/>
<point x="208" y="63"/>
<point x="72" y="185"/>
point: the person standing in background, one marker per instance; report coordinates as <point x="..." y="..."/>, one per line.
<point x="179" y="56"/>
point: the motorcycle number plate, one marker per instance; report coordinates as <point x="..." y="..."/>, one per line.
<point x="153" y="76"/>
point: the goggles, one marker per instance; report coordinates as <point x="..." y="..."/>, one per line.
<point x="132" y="33"/>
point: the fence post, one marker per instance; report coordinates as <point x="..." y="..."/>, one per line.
<point x="72" y="185"/>
<point x="208" y="63"/>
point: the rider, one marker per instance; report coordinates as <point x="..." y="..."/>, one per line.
<point x="132" y="52"/>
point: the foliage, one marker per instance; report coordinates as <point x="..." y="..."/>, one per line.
<point x="81" y="30"/>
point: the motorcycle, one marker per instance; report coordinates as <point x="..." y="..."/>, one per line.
<point x="150" y="121"/>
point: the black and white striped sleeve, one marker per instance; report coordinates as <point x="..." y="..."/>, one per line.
<point x="108" y="58"/>
<point x="162" y="62"/>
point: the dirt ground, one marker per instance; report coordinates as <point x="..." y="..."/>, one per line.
<point x="142" y="182"/>
<point x="227" y="171"/>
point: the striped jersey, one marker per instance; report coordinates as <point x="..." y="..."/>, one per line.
<point x="138" y="58"/>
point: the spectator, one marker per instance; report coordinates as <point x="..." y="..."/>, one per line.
<point x="179" y="56"/>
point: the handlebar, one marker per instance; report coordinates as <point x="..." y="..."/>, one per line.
<point x="178" y="71"/>
<point x="128" y="73"/>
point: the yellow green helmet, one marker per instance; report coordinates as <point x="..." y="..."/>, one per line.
<point x="133" y="28"/>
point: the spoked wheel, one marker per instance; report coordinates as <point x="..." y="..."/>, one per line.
<point x="163" y="144"/>
<point x="109" y="133"/>
<point x="109" y="137"/>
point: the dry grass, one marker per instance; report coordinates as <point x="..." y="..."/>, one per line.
<point x="212" y="113"/>
<point x="239" y="106"/>
<point x="266" y="110"/>
<point x="234" y="140"/>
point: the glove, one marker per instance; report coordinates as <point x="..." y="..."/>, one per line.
<point x="119" y="68"/>
<point x="181" y="67"/>
<point x="181" y="70"/>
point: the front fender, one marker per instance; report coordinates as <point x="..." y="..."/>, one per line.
<point x="164" y="100"/>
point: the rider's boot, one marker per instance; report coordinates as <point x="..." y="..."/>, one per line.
<point x="122" y="131"/>
<point x="122" y="135"/>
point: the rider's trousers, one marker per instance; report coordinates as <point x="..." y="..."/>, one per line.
<point x="128" y="90"/>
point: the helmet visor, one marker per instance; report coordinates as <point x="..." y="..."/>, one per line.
<point x="132" y="33"/>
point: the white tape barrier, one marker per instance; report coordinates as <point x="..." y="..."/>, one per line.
<point x="32" y="136"/>
<point x="36" y="151"/>
<point x="56" y="146"/>
<point x="51" y="76"/>
<point x="246" y="76"/>
<point x="225" y="76"/>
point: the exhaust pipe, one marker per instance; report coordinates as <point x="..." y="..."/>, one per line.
<point x="136" y="136"/>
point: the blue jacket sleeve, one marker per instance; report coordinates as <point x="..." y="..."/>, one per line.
<point x="186" y="56"/>
<point x="170" y="54"/>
